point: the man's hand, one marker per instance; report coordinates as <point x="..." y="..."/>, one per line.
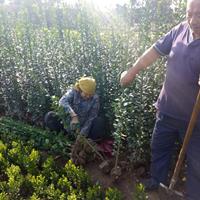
<point x="123" y="74"/>
<point x="127" y="77"/>
<point x="122" y="77"/>
<point x="148" y="58"/>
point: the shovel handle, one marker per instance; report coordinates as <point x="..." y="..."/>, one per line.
<point x="187" y="137"/>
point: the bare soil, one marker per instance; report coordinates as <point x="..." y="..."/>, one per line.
<point x="126" y="183"/>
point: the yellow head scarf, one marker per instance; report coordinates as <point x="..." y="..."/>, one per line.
<point x="86" y="84"/>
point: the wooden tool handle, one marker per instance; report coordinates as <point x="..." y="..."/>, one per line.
<point x="187" y="137"/>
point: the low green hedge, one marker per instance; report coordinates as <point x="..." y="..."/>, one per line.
<point x="55" y="143"/>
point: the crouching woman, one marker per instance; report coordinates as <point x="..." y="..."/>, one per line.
<point x="82" y="104"/>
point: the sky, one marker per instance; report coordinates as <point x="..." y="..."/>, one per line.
<point x="104" y="4"/>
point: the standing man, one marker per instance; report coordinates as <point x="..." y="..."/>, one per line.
<point x="175" y="102"/>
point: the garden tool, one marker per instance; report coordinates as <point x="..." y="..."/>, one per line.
<point x="170" y="190"/>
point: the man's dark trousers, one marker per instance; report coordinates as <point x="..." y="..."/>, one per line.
<point x="166" y="132"/>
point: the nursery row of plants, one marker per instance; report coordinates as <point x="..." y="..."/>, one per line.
<point x="46" y="47"/>
<point x="29" y="168"/>
<point x="29" y="172"/>
<point x="53" y="143"/>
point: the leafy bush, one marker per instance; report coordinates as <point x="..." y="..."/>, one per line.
<point x="43" y="140"/>
<point x="94" y="192"/>
<point x="139" y="193"/>
<point x="65" y="185"/>
<point x="3" y="161"/>
<point x="113" y="194"/>
<point x="25" y="177"/>
<point x="65" y="117"/>
<point x="38" y="183"/>
<point x="15" y="180"/>
<point x="4" y="196"/>
<point x="77" y="176"/>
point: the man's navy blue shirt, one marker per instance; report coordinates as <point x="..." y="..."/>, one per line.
<point x="180" y="87"/>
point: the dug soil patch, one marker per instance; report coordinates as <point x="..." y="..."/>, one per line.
<point x="126" y="183"/>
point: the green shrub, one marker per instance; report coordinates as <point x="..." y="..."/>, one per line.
<point x="139" y="193"/>
<point x="3" y="163"/>
<point x="77" y="176"/>
<point x="94" y="193"/>
<point x="52" y="193"/>
<point x="27" y="176"/>
<point x="42" y="140"/>
<point x="34" y="197"/>
<point x="113" y="194"/>
<point x="49" y="169"/>
<point x="15" y="180"/>
<point x="4" y="196"/>
<point x="65" y="185"/>
<point x="38" y="183"/>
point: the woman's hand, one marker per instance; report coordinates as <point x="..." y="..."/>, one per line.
<point x="74" y="124"/>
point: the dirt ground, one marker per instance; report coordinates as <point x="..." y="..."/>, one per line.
<point x="125" y="183"/>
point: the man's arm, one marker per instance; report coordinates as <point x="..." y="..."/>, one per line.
<point x="148" y="58"/>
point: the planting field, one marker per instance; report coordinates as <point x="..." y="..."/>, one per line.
<point x="27" y="172"/>
<point x="45" y="47"/>
<point x="31" y="169"/>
